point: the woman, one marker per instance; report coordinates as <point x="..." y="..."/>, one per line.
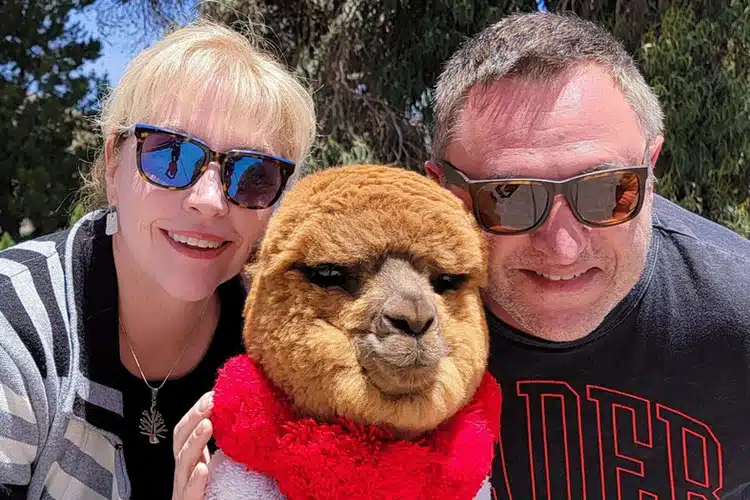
<point x="111" y="331"/>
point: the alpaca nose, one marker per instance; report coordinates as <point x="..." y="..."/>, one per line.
<point x="411" y="315"/>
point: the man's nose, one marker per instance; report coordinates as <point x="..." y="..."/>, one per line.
<point x="562" y="237"/>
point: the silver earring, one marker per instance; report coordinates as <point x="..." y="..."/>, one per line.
<point x="112" y="222"/>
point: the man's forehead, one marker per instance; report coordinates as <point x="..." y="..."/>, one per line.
<point x="495" y="161"/>
<point x="555" y="172"/>
<point x="569" y="87"/>
<point x="531" y="129"/>
<point x="514" y="109"/>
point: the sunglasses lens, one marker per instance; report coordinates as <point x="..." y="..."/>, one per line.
<point x="170" y="161"/>
<point x="607" y="199"/>
<point x="253" y="181"/>
<point x="508" y="207"/>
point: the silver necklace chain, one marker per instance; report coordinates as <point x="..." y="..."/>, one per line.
<point x="152" y="423"/>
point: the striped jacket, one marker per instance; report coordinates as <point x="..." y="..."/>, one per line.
<point x="56" y="418"/>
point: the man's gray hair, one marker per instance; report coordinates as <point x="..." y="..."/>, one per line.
<point x="538" y="46"/>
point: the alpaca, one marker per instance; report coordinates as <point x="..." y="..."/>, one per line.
<point x="365" y="374"/>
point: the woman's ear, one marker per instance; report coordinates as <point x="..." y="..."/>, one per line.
<point x="111" y="162"/>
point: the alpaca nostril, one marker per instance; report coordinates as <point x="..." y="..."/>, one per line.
<point x="409" y="314"/>
<point x="415" y="327"/>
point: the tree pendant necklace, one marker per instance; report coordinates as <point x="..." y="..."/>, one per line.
<point x="152" y="423"/>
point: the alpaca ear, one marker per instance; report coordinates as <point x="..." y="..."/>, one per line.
<point x="434" y="172"/>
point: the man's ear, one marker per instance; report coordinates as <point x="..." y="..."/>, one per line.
<point x="654" y="151"/>
<point x="110" y="164"/>
<point x="434" y="172"/>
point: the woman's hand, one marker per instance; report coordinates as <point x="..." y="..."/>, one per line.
<point x="191" y="456"/>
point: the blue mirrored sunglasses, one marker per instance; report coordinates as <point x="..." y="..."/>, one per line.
<point x="175" y="161"/>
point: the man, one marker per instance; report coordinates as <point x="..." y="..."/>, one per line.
<point x="620" y="322"/>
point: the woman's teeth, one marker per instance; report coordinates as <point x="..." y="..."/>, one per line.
<point x="194" y="242"/>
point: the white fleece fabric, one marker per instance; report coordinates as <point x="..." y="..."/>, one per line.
<point x="230" y="480"/>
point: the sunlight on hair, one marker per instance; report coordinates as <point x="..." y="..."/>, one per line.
<point x="200" y="59"/>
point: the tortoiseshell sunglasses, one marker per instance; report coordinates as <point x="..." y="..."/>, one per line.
<point x="173" y="160"/>
<point x="602" y="198"/>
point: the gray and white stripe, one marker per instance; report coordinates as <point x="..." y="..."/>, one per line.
<point x="45" y="448"/>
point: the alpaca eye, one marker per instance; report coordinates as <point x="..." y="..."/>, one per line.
<point x="329" y="276"/>
<point x="445" y="282"/>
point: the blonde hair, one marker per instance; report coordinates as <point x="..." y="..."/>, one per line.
<point x="252" y="86"/>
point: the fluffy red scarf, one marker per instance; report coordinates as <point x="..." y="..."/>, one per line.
<point x="254" y="424"/>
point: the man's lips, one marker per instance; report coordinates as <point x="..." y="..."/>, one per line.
<point x="563" y="281"/>
<point x="560" y="275"/>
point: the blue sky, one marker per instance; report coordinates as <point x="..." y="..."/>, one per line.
<point x="117" y="49"/>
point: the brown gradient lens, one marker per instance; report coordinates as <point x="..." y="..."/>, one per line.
<point x="511" y="206"/>
<point x="606" y="198"/>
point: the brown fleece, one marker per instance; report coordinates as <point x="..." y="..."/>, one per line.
<point x="306" y="337"/>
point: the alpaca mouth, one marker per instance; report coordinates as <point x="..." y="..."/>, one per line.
<point x="393" y="381"/>
<point x="399" y="365"/>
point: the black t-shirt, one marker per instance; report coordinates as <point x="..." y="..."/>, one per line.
<point x="655" y="404"/>
<point x="150" y="467"/>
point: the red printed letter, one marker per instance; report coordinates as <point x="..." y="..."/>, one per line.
<point x="553" y="413"/>
<point x="694" y="456"/>
<point x="624" y="423"/>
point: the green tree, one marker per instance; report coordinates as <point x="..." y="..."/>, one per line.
<point x="698" y="60"/>
<point x="6" y="241"/>
<point x="46" y="101"/>
<point x="373" y="66"/>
